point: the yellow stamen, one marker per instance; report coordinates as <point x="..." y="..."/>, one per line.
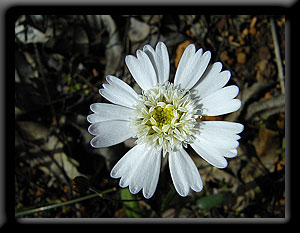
<point x="163" y="116"/>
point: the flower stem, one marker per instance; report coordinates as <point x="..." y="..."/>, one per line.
<point x="32" y="211"/>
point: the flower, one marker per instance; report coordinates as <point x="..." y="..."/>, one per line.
<point x="163" y="118"/>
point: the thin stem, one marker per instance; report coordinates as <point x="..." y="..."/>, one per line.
<point x="32" y="211"/>
<point x="277" y="55"/>
<point x="112" y="199"/>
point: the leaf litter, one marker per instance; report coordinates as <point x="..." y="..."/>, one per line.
<point x="71" y="60"/>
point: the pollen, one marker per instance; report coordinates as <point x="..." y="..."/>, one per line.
<point x="163" y="116"/>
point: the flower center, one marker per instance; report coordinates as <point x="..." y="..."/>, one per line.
<point x="162" y="116"/>
<point x="165" y="118"/>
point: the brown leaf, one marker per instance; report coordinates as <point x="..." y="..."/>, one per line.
<point x="230" y="38"/>
<point x="264" y="53"/>
<point x="268" y="95"/>
<point x="182" y="213"/>
<point x="280" y="165"/>
<point x="252" y="31"/>
<point x="95" y="72"/>
<point x="241" y="58"/>
<point x="265" y="140"/>
<point x="224" y="56"/>
<point x="245" y="32"/>
<point x="121" y="213"/>
<point x="253" y="22"/>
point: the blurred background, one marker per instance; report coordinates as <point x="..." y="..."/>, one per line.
<point x="61" y="62"/>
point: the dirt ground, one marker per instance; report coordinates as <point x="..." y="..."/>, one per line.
<point x="62" y="61"/>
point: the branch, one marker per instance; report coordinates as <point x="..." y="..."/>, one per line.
<point x="266" y="106"/>
<point x="278" y="58"/>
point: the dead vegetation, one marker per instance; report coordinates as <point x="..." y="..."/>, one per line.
<point x="61" y="62"/>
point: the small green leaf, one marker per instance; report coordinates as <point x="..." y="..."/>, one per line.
<point x="132" y="207"/>
<point x="210" y="201"/>
<point x="77" y="86"/>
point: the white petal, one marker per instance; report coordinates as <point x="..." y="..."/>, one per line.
<point x="137" y="175"/>
<point x="184" y="173"/>
<point x="227" y="107"/>
<point x="212" y="80"/>
<point x="191" y="67"/>
<point x="222" y="134"/>
<point x="225" y="128"/>
<point x="231" y="153"/>
<point x="220" y="102"/>
<point x="163" y="62"/>
<point x="126" y="163"/>
<point x="139" y="168"/>
<point x="142" y="70"/>
<point x="109" y="112"/>
<point x="116" y="81"/>
<point x="186" y="57"/>
<point x="146" y="174"/>
<point x="211" y="154"/>
<point x="216" y="140"/>
<point x="118" y="92"/>
<point x="160" y="61"/>
<point x="110" y="133"/>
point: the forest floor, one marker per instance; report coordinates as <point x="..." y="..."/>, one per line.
<point x="62" y="61"/>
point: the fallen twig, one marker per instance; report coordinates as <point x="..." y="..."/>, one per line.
<point x="278" y="58"/>
<point x="266" y="106"/>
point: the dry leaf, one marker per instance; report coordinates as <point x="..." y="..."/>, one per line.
<point x="138" y="30"/>
<point x="241" y="58"/>
<point x="253" y="22"/>
<point x="264" y="141"/>
<point x="113" y="50"/>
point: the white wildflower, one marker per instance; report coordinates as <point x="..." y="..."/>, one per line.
<point x="163" y="118"/>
